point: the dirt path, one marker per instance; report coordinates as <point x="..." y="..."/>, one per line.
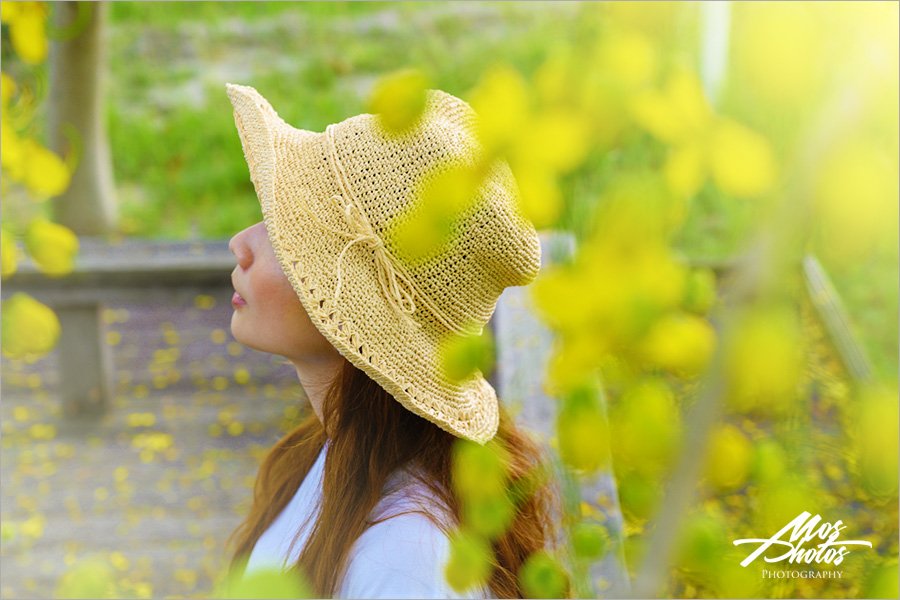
<point x="157" y="501"/>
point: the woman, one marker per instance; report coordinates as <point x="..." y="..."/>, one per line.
<point x="360" y="497"/>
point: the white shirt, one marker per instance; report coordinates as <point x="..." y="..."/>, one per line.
<point x="401" y="557"/>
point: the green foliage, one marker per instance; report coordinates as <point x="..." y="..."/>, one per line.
<point x="470" y="561"/>
<point x="91" y="577"/>
<point x="542" y="576"/>
<point x="267" y="582"/>
<point x="582" y="431"/>
<point x="589" y="540"/>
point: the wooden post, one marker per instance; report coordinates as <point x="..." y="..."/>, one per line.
<point x="88" y="206"/>
<point x="75" y="104"/>
<point x="85" y="363"/>
<point x="524" y="345"/>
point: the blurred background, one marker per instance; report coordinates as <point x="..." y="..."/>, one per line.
<point x="725" y="174"/>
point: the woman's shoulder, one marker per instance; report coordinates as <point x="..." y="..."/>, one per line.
<point x="403" y="556"/>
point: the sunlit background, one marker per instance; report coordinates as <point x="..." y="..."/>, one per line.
<point x="726" y="330"/>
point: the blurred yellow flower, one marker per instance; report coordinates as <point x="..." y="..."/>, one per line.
<point x="582" y="431"/>
<point x="729" y="458"/>
<point x="700" y="291"/>
<point x="501" y="100"/>
<point x="33" y="527"/>
<point x="11" y="157"/>
<point x="489" y="516"/>
<point x="28" y="327"/>
<point x="543" y="576"/>
<point x="556" y="77"/>
<point x="7" y="88"/>
<point x="646" y="428"/>
<point x="266" y="582"/>
<point x="9" y="11"/>
<point x="741" y="161"/>
<point x="27" y="30"/>
<point x="8" y="254"/>
<point x="763" y="360"/>
<point x="45" y="173"/>
<point x="685" y="168"/>
<point x="676" y="113"/>
<point x="440" y="201"/>
<point x="651" y="17"/>
<point x="399" y="99"/>
<point x="778" y="50"/>
<point x="555" y="140"/>
<point x="856" y="198"/>
<point x="875" y="427"/>
<point x="480" y="471"/>
<point x="461" y="355"/>
<point x="52" y="246"/>
<point x="589" y="540"/>
<point x="702" y="541"/>
<point x="628" y="58"/>
<point x="681" y="343"/>
<point x="540" y="197"/>
<point x="470" y="560"/>
<point x="769" y="462"/>
<point x="90" y="577"/>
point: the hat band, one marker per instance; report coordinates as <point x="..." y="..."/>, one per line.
<point x="391" y="275"/>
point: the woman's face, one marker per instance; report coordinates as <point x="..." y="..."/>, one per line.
<point x="273" y="319"/>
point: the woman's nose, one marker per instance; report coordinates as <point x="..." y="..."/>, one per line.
<point x="240" y="251"/>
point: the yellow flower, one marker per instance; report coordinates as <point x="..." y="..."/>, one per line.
<point x="470" y="560"/>
<point x="542" y="576"/>
<point x="28" y="327"/>
<point x="7" y="87"/>
<point x="876" y="430"/>
<point x="8" y="254"/>
<point x="45" y="172"/>
<point x="479" y="471"/>
<point x="556" y="140"/>
<point x="539" y="195"/>
<point x="740" y="161"/>
<point x="728" y="458"/>
<point x="763" y="361"/>
<point x="646" y="428"/>
<point x="27" y="31"/>
<point x="681" y="343"/>
<point x="501" y="100"/>
<point x="555" y="79"/>
<point x="678" y="112"/>
<point x="582" y="431"/>
<point x="12" y="155"/>
<point x="778" y="51"/>
<point x="628" y="58"/>
<point x="52" y="246"/>
<point x="9" y="11"/>
<point x="266" y="582"/>
<point x="685" y="169"/>
<point x="398" y="99"/>
<point x="855" y="196"/>
<point x="462" y="355"/>
<point x="439" y="202"/>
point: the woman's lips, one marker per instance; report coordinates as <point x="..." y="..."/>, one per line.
<point x="236" y="300"/>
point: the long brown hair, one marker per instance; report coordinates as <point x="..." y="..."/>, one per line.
<point x="372" y="434"/>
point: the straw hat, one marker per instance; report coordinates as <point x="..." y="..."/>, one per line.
<point x="330" y="200"/>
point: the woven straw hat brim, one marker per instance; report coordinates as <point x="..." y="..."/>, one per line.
<point x="291" y="172"/>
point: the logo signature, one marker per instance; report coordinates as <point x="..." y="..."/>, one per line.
<point x="804" y="530"/>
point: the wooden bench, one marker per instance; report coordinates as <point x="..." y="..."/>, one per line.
<point x="109" y="273"/>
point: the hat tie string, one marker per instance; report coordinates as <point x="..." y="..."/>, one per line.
<point x="388" y="276"/>
<point x="390" y="273"/>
